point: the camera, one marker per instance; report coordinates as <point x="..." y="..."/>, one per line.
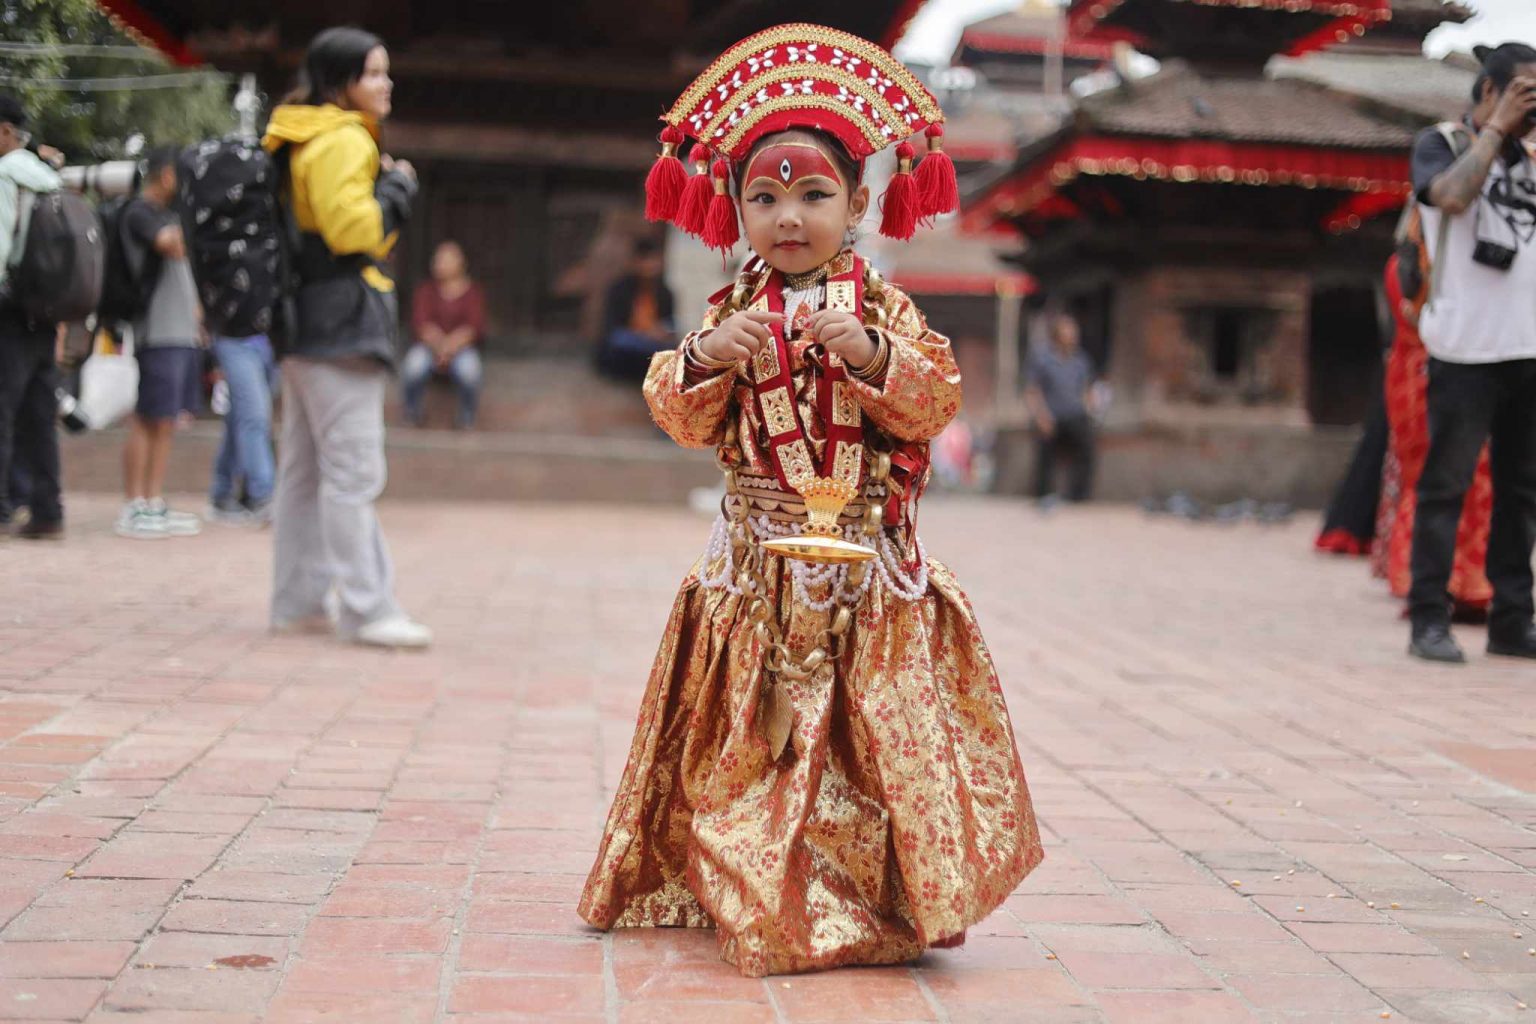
<point x="109" y="180"/>
<point x="1492" y="254"/>
<point x="69" y="412"/>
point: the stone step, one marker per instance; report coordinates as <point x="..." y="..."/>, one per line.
<point x="448" y="465"/>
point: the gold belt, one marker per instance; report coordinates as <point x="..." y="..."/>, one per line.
<point x="765" y="497"/>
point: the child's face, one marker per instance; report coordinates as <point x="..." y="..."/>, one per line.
<point x="796" y="207"/>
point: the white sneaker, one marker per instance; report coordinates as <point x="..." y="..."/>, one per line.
<point x="136" y="521"/>
<point x="177" y="524"/>
<point x="395" y="631"/>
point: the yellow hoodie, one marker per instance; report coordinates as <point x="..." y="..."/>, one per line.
<point x="333" y="165"/>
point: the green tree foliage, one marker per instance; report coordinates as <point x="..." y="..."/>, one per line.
<point x="167" y="105"/>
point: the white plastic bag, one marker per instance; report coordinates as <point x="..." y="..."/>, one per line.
<point x="109" y="386"/>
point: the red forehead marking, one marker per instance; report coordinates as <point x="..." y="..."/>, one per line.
<point x="785" y="163"/>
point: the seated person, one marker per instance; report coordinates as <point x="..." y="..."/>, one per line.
<point x="637" y="318"/>
<point x="448" y="321"/>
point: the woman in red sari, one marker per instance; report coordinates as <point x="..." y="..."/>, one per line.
<point x="1408" y="414"/>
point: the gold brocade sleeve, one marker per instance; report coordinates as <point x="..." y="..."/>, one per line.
<point x="692" y="413"/>
<point x="920" y="393"/>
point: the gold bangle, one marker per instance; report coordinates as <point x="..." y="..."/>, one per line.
<point x="696" y="353"/>
<point x="876" y="366"/>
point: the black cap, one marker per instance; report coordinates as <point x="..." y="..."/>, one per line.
<point x="11" y="110"/>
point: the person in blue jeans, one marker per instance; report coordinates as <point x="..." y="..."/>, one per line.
<point x="448" y="321"/>
<point x="244" y="472"/>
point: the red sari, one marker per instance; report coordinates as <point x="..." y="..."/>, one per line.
<point x="1408" y="414"/>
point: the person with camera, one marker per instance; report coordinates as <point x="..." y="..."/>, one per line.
<point x="27" y="367"/>
<point x="348" y="202"/>
<point x="1477" y="190"/>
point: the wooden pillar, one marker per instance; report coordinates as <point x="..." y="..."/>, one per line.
<point x="1007" y="405"/>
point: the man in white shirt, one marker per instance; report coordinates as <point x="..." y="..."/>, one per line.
<point x="1479" y="326"/>
<point x="27" y="403"/>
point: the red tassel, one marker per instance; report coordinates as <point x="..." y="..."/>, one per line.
<point x="935" y="177"/>
<point x="721" y="230"/>
<point x="900" y="207"/>
<point x="664" y="185"/>
<point x="693" y="208"/>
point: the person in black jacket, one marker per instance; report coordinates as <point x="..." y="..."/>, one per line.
<point x="637" y="318"/>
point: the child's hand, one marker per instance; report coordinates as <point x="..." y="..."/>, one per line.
<point x="843" y="335"/>
<point x="739" y="336"/>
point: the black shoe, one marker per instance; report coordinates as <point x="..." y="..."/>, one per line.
<point x="1435" y="643"/>
<point x="1514" y="644"/>
<point x="42" y="529"/>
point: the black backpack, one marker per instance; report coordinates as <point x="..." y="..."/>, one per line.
<point x="228" y="201"/>
<point x="125" y="291"/>
<point x="59" y="275"/>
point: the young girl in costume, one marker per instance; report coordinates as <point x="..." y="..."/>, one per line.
<point x="823" y="767"/>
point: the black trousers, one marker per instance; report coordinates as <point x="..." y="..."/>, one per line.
<point x="28" y="426"/>
<point x="1470" y="404"/>
<point x="1074" y="438"/>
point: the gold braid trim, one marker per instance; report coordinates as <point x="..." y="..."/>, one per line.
<point x="847" y="79"/>
<point x="785" y="35"/>
<point x="798" y="102"/>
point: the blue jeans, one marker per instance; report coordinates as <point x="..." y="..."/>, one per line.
<point x="465" y="369"/>
<point x="246" y="452"/>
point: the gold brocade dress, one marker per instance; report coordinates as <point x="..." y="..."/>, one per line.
<point x="900" y="815"/>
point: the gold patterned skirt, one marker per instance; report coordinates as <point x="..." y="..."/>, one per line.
<point x="898" y="817"/>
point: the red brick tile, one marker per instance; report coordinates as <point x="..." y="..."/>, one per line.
<point x="1173" y="1008"/>
<point x="696" y="1013"/>
<point x="518" y="954"/>
<point x="69" y="849"/>
<point x="365" y="974"/>
<point x="42" y="823"/>
<point x="232" y="917"/>
<point x="552" y="996"/>
<point x="1097" y="938"/>
<point x="261" y="886"/>
<point x="350" y="900"/>
<point x="340" y="936"/>
<point x="1292" y="957"/>
<point x="1135" y="970"/>
<point x="48" y="999"/>
<point x="77" y="924"/>
<point x="1388" y="970"/>
<point x="967" y="994"/>
<point x="688" y="981"/>
<point x="330" y="799"/>
<point x="525" y="918"/>
<point x="1236" y="927"/>
<point x="178" y="988"/>
<point x="984" y="953"/>
<point x="1332" y="993"/>
<point x="1360" y="938"/>
<point x="1074" y="910"/>
<point x="334" y="1007"/>
<point x="887" y="994"/>
<point x="111" y="894"/>
<point x="172" y="1017"/>
<point x="63" y="959"/>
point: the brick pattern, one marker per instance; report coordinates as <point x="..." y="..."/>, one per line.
<point x="1256" y="809"/>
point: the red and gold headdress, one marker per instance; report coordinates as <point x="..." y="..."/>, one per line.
<point x="799" y="76"/>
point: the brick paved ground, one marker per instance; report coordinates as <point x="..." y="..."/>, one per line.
<point x="1256" y="808"/>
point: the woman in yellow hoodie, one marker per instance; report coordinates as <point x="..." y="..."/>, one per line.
<point x="332" y="568"/>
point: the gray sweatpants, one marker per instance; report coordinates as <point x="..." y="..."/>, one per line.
<point x="330" y="470"/>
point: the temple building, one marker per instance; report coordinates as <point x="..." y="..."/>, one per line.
<point x="531" y="126"/>
<point x="1220" y="229"/>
